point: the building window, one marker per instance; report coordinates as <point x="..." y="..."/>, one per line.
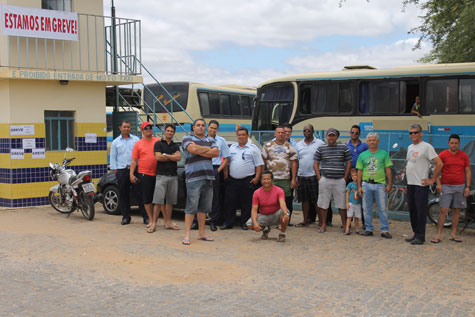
<point x="61" y="5"/>
<point x="59" y="128"/>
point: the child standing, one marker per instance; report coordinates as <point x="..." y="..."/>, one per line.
<point x="353" y="202"/>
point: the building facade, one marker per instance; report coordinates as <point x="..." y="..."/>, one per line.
<point x="56" y="60"/>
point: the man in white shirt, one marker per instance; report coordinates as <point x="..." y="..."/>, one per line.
<point x="419" y="155"/>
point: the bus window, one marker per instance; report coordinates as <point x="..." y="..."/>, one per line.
<point x="305" y="98"/>
<point x="441" y="96"/>
<point x="379" y="97"/>
<point x="246" y="106"/>
<point x="325" y="98"/>
<point x="235" y="105"/>
<point x="214" y="104"/>
<point x="225" y="104"/>
<point x="345" y="104"/>
<point x="409" y="90"/>
<point x="204" y="102"/>
<point x="467" y="95"/>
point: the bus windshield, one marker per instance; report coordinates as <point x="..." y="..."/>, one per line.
<point x="274" y="106"/>
<point x="179" y="91"/>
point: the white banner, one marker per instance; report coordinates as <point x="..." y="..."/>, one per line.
<point x="38" y="153"/>
<point x="17" y="154"/>
<point x="29" y="22"/>
<point x="28" y="129"/>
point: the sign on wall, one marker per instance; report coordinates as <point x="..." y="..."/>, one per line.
<point x="29" y="22"/>
<point x="17" y="154"/>
<point x="28" y="129"/>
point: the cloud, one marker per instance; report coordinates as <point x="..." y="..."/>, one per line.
<point x="381" y="56"/>
<point x="173" y="31"/>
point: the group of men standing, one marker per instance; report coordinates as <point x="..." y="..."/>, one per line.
<point x="319" y="171"/>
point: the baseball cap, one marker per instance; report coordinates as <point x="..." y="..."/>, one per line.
<point x="333" y="131"/>
<point x="144" y="125"/>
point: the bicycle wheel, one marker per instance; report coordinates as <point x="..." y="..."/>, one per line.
<point x="433" y="214"/>
<point x="395" y="199"/>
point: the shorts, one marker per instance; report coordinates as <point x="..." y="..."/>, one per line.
<point x="308" y="189"/>
<point x="452" y="196"/>
<point x="332" y="187"/>
<point x="285" y="185"/>
<point x="166" y="190"/>
<point x="267" y="220"/>
<point x="354" y="211"/>
<point x="147" y="183"/>
<point x="199" y="197"/>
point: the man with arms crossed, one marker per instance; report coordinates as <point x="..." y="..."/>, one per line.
<point x="374" y="167"/>
<point x="242" y="175"/>
<point x="281" y="159"/>
<point x="143" y="155"/>
<point x="199" y="150"/>
<point x="270" y="201"/>
<point x="454" y="186"/>
<point x="167" y="154"/>
<point x="332" y="165"/>
<point x="218" y="166"/>
<point x="419" y="155"/>
<point x="120" y="160"/>
<point x="307" y="191"/>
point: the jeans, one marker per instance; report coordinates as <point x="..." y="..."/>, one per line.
<point x="378" y="192"/>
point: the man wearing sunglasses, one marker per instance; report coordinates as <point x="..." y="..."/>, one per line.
<point x="355" y="145"/>
<point x="241" y="177"/>
<point x="143" y="155"/>
<point x="419" y="155"/>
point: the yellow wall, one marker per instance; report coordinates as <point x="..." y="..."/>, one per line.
<point x="30" y="98"/>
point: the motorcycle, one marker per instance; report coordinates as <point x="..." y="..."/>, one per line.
<point x="73" y="191"/>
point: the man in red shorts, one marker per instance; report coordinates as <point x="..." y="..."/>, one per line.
<point x="144" y="155"/>
<point x="270" y="201"/>
<point x="454" y="186"/>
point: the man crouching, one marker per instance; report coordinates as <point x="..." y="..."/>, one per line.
<point x="270" y="201"/>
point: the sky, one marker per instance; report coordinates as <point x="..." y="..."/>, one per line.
<point x="248" y="42"/>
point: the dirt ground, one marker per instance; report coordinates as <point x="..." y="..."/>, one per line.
<point x="314" y="273"/>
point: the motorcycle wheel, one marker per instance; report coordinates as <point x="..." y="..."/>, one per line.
<point x="433" y="214"/>
<point x="395" y="199"/>
<point x="55" y="202"/>
<point x="87" y="206"/>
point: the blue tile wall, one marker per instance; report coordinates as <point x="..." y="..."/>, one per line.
<point x="24" y="202"/>
<point x="41" y="174"/>
<point x="6" y="144"/>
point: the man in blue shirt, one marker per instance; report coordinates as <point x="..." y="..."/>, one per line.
<point x="120" y="159"/>
<point x="218" y="166"/>
<point x="307" y="191"/>
<point x="241" y="177"/>
<point x="355" y="145"/>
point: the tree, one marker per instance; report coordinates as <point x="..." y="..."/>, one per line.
<point x="450" y="26"/>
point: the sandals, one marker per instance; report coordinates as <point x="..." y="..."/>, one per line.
<point x="302" y="224"/>
<point x="455" y="240"/>
<point x="347" y="232"/>
<point x="173" y="227"/>
<point x="321" y="230"/>
<point x="435" y="241"/>
<point x="185" y="242"/>
<point x="208" y="239"/>
<point x="151" y="229"/>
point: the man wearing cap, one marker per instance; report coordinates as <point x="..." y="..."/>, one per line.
<point x="332" y="165"/>
<point x="143" y="155"/>
<point x="120" y="160"/>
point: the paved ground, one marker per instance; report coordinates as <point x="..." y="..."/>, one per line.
<point x="55" y="266"/>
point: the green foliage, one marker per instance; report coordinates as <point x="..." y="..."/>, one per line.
<point x="450" y="26"/>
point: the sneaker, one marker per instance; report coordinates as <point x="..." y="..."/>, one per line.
<point x="386" y="235"/>
<point x="368" y="233"/>
<point x="281" y="237"/>
<point x="265" y="233"/>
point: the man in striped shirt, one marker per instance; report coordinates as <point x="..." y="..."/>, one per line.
<point x="199" y="150"/>
<point x="332" y="165"/>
